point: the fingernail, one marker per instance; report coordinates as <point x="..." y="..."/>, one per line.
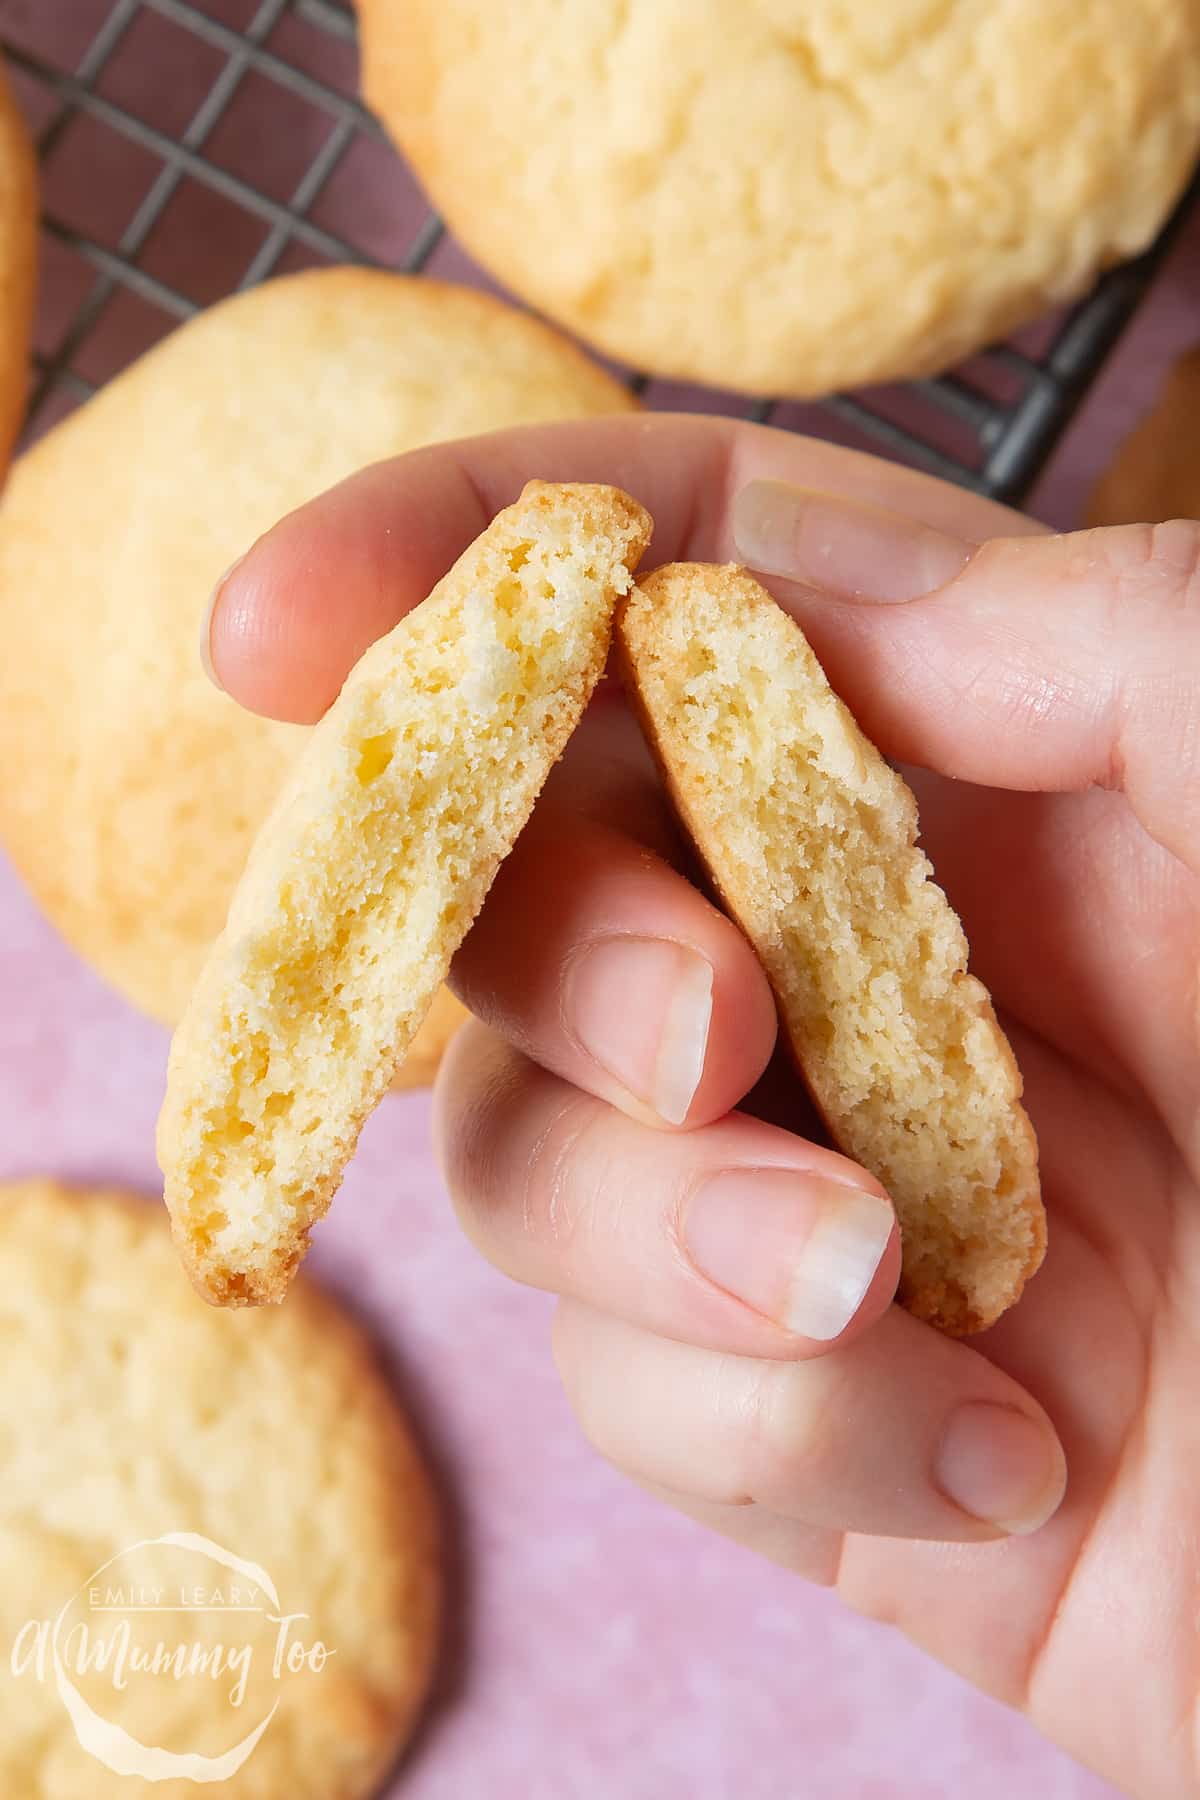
<point x="800" y="1248"/>
<point x="858" y="552"/>
<point x="641" y="1008"/>
<point x="1001" y="1466"/>
<point x="206" y="661"/>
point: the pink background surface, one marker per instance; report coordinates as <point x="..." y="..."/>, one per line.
<point x="600" y="1645"/>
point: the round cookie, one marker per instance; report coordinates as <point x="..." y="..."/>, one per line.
<point x="1156" y="472"/>
<point x="133" y="788"/>
<point x="18" y="261"/>
<point x="134" y="1411"/>
<point x="785" y="196"/>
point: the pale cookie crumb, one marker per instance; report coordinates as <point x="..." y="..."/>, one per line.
<point x="369" y="872"/>
<point x="810" y="838"/>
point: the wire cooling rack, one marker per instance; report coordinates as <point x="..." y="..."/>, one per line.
<point x="191" y="149"/>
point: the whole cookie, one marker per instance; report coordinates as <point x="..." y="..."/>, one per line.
<point x="268" y="1452"/>
<point x="792" y="196"/>
<point x="1155" y="475"/>
<point x="132" y="787"/>
<point x="18" y="258"/>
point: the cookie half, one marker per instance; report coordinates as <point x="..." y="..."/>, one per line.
<point x="810" y="839"/>
<point x="368" y="873"/>
<point x="133" y="1415"/>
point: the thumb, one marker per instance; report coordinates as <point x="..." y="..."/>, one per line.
<point x="1041" y="663"/>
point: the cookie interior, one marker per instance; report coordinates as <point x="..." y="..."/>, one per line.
<point x="367" y="876"/>
<point x="811" y="840"/>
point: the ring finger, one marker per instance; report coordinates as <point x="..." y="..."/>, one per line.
<point x="901" y="1433"/>
<point x="737" y="1234"/>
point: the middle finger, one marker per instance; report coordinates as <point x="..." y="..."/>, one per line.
<point x="736" y="1235"/>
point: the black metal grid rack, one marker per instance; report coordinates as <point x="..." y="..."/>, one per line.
<point x="989" y="426"/>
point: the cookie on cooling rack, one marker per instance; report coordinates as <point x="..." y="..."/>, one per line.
<point x="133" y="787"/>
<point x="18" y="262"/>
<point x="810" y="839"/>
<point x="369" y="871"/>
<point x="272" y="1441"/>
<point x="1155" y="475"/>
<point x="792" y="198"/>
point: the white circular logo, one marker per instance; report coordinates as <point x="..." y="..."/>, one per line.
<point x="128" y="1648"/>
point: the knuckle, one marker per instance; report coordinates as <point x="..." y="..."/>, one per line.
<point x="1158" y="563"/>
<point x="563" y="1180"/>
<point x="512" y="1140"/>
<point x="594" y="1416"/>
<point x="475" y="1109"/>
<point x="794" y="1434"/>
<point x="1175" y="557"/>
<point x="585" y="1373"/>
<point x="1154" y="612"/>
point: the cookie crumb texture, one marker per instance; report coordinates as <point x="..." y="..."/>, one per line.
<point x="369" y="872"/>
<point x="811" y="840"/>
<point x="133" y="1410"/>
<point x="792" y="196"/>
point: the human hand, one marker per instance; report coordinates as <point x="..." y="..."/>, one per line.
<point x="725" y="1333"/>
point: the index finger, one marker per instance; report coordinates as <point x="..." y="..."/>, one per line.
<point x="289" y="621"/>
